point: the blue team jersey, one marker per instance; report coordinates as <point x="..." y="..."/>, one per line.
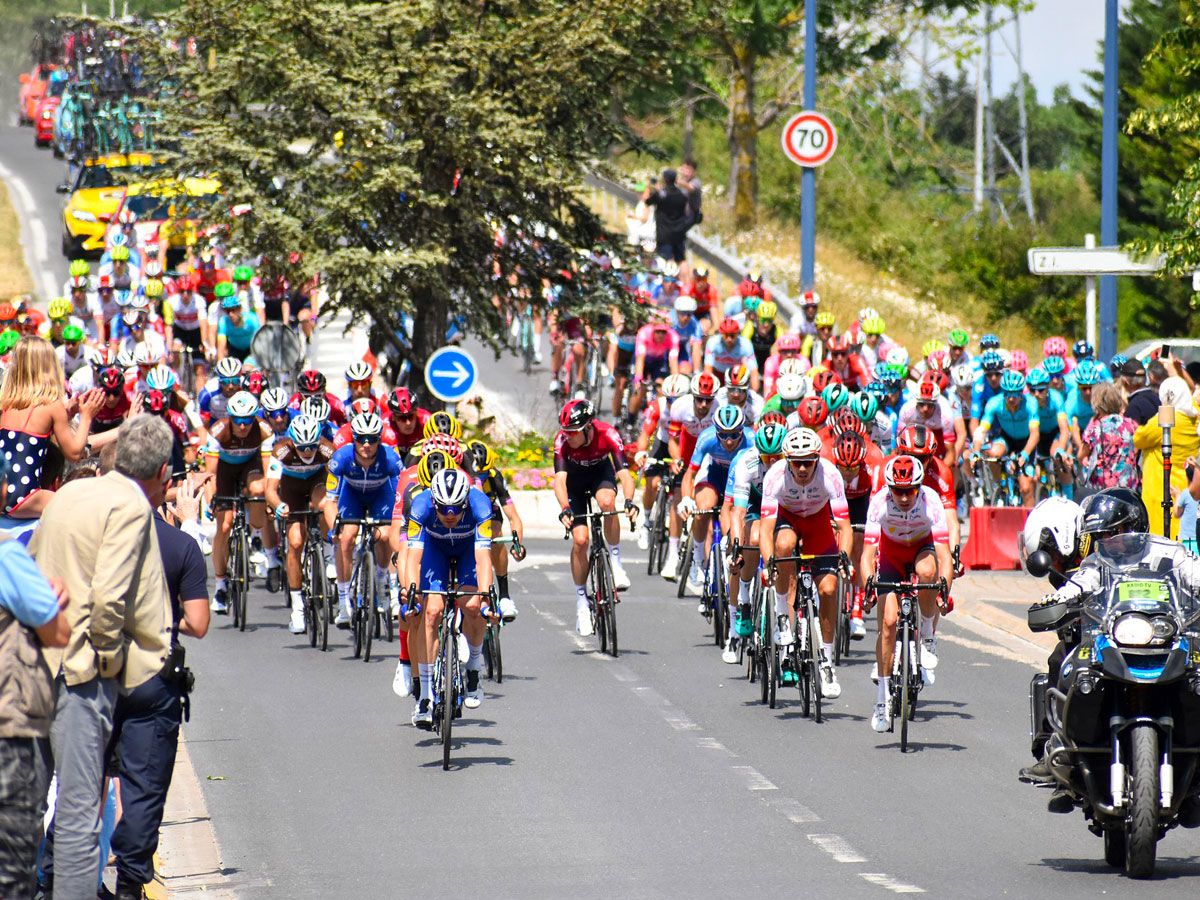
<point x="347" y="472"/>
<point x="722" y="358"/>
<point x="1015" y="424"/>
<point x="687" y="333"/>
<point x="424" y="526"/>
<point x="711" y="458"/>
<point x="981" y="394"/>
<point x="239" y="337"/>
<point x="1079" y="411"/>
<point x="1048" y="415"/>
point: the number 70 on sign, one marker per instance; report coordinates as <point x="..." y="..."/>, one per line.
<point x="809" y="139"/>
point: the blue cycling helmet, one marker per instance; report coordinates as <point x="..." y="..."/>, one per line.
<point x="1118" y="360"/>
<point x="991" y="361"/>
<point x="729" y="419"/>
<point x="1054" y="366"/>
<point x="1087" y="373"/>
<point x="989" y="342"/>
<point x="1037" y="378"/>
<point x="878" y="388"/>
<point x="1083" y="350"/>
<point x="1012" y="382"/>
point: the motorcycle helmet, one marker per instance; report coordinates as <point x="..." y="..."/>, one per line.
<point x="1113" y="511"/>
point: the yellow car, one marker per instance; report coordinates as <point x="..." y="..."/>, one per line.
<point x="95" y="195"/>
<point x="165" y="210"/>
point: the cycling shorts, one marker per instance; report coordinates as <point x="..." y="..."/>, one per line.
<point x="1046" y="441"/>
<point x="715" y="477"/>
<point x="624" y="361"/>
<point x="658" y="451"/>
<point x="232" y="477"/>
<point x="814" y="535"/>
<point x="656" y="368"/>
<point x="352" y="504"/>
<point x="297" y="492"/>
<point x="189" y="338"/>
<point x="858" y="509"/>
<point x="896" y="560"/>
<point x="1010" y="443"/>
<point x="583" y="485"/>
<point x="435" y="564"/>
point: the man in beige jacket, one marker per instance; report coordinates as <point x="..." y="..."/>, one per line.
<point x="97" y="535"/>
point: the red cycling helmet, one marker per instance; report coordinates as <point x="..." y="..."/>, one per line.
<point x="849" y="450"/>
<point x="790" y="343"/>
<point x="824" y="379"/>
<point x="1054" y="346"/>
<point x="576" y="415"/>
<point x="938" y="377"/>
<point x="255" y="383"/>
<point x="110" y="380"/>
<point x="847" y="420"/>
<point x="738" y="377"/>
<point x="311" y="382"/>
<point x="904" y="472"/>
<point x="399" y="401"/>
<point x="916" y="440"/>
<point x="773" y="417"/>
<point x="838" y="344"/>
<point x="362" y="405"/>
<point x="450" y="445"/>
<point x="938" y="360"/>
<point x="154" y="402"/>
<point x="812" y="412"/>
<point x="749" y="288"/>
<point x="704" y="386"/>
<point x="729" y="326"/>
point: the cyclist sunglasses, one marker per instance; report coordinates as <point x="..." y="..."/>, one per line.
<point x="797" y="463"/>
<point x="905" y="492"/>
<point x="242" y="420"/>
<point x="235" y="379"/>
<point x="366" y="439"/>
<point x="279" y="414"/>
<point x="451" y="510"/>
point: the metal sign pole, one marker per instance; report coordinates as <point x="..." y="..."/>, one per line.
<point x="808" y="175"/>
<point x="1108" y="182"/>
<point x="1166" y="419"/>
<point x="1089" y="241"/>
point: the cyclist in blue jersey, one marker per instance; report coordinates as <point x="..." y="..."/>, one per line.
<point x="214" y="396"/>
<point x="275" y="411"/>
<point x="706" y="477"/>
<point x="236" y="329"/>
<point x="449" y="521"/>
<point x="1015" y="415"/>
<point x="987" y="386"/>
<point x="691" y="334"/>
<point x="1056" y="368"/>
<point x="1054" y="440"/>
<point x="1078" y="406"/>
<point x="727" y="349"/>
<point x="362" y="479"/>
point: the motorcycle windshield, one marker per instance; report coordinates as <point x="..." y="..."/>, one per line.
<point x="1142" y="572"/>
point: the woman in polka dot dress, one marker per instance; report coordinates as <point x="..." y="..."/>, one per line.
<point x="33" y="414"/>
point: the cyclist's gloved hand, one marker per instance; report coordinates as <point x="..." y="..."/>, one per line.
<point x="282" y="510"/>
<point x="631" y="509"/>
<point x="1022" y="459"/>
<point x="639" y="458"/>
<point x="687" y="506"/>
<point x="566" y="517"/>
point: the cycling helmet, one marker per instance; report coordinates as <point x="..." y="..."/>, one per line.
<point x="700" y="273"/>
<point x="685" y="304"/>
<point x="358" y="371"/>
<point x="450" y="488"/>
<point x="904" y="472"/>
<point x="768" y="440"/>
<point x="824" y="320"/>
<point x="316" y="408"/>
<point x="916" y="440"/>
<point x="120" y="254"/>
<point x="835" y="396"/>
<point x="991" y="361"/>
<point x="729" y="326"/>
<point x="767" y="310"/>
<point x="1012" y="382"/>
<point x="125" y="360"/>
<point x="772" y="417"/>
<point x="1052" y="527"/>
<point x="133" y="316"/>
<point x="938" y="377"/>
<point x="1116" y="362"/>
<point x="366" y="425"/>
<point x="79" y="268"/>
<point x="738" y="377"/>
<point x="790" y="342"/>
<point x="273" y="399"/>
<point x="801" y="443"/>
<point x="80" y="283"/>
<point x="962" y="376"/>
<point x="110" y="380"/>
<point x="791" y="387"/>
<point x="223" y="290"/>
<point x="751" y="304"/>
<point x="931" y="347"/>
<point x="849" y="450"/>
<point x="847" y="420"/>
<point x="898" y="356"/>
<point x="311" y="382"/>
<point x="1054" y="346"/>
<point x="442" y="422"/>
<point x="1113" y="511"/>
<point x="1083" y="350"/>
<point x="243" y="273"/>
<point x="229" y="367"/>
<point x="729" y="420"/>
<point x="72" y="334"/>
<point x="304" y="431"/>
<point x="937" y="361"/>
<point x="144" y="356"/>
<point x="124" y="297"/>
<point x="160" y="378"/>
<point x="1037" y="378"/>
<point x="874" y="325"/>
<point x="704" y="386"/>
<point x="58" y="308"/>
<point x="867" y="312"/>
<point x="362" y="405"/>
<point x="126" y="217"/>
<point x="483" y="456"/>
<point x="810" y="298"/>
<point x="793" y="365"/>
<point x="750" y="286"/>
<point x="578" y="414"/>
<point x="958" y="337"/>
<point x="837" y="344"/>
<point x="824" y="379"/>
<point x="877" y="389"/>
<point x="865" y="405"/>
<point x="153" y="289"/>
<point x="399" y="401"/>
<point x="154" y="402"/>
<point x="450" y="446"/>
<point x="989" y="342"/>
<point x="242" y="405"/>
<point x="928" y="391"/>
<point x="256" y="383"/>
<point x="152" y="269"/>
<point x="1019" y="361"/>
<point x="1087" y="373"/>
<point x="432" y="462"/>
<point x="1054" y="366"/>
<point x="675" y="386"/>
<point x="812" y="412"/>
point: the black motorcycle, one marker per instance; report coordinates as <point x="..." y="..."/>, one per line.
<point x="1124" y="715"/>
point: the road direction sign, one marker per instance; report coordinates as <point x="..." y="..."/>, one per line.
<point x="1089" y="261"/>
<point x="450" y="374"/>
<point x="809" y="139"/>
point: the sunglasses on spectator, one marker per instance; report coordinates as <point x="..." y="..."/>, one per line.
<point x="242" y="420"/>
<point x="366" y="439"/>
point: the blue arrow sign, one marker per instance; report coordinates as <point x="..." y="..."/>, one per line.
<point x="450" y="374"/>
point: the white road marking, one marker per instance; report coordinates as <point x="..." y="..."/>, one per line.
<point x="39" y="239"/>
<point x="837" y="847"/>
<point x="795" y="811"/>
<point x="891" y="884"/>
<point x="993" y="649"/>
<point x="755" y="780"/>
<point x="707" y="743"/>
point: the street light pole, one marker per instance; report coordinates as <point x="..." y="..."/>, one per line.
<point x="808" y="175"/>
<point x="1108" y="182"/>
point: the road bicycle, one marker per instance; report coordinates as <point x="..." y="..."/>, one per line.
<point x="602" y="591"/>
<point x="907" y="678"/>
<point x="493" y="655"/>
<point x="319" y="596"/>
<point x="803" y="656"/>
<point x="238" y="571"/>
<point x="660" y="515"/>
<point x="845" y="606"/>
<point x="368" y="616"/>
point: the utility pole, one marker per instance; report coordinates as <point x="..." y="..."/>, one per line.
<point x="808" y="175"/>
<point x="1023" y="122"/>
<point x="979" y="134"/>
<point x="989" y="118"/>
<point x="1108" y="182"/>
<point x="923" y="83"/>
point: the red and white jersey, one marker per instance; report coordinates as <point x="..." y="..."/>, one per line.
<point x="782" y="492"/>
<point x="656" y="422"/>
<point x="938" y="476"/>
<point x="685" y="426"/>
<point x="940" y="423"/>
<point x="925" y="520"/>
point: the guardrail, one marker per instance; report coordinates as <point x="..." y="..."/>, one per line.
<point x="706" y="247"/>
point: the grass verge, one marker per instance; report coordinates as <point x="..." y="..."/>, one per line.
<point x="14" y="275"/>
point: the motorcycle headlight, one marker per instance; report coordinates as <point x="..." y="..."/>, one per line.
<point x="1164" y="629"/>
<point x="1132" y="630"/>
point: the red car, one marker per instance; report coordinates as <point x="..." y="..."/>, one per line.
<point x="43" y="119"/>
<point x="33" y="88"/>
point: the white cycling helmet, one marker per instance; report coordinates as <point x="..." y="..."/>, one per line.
<point x="675" y="386"/>
<point x="868" y="312"/>
<point x="118" y="239"/>
<point x="897" y="356"/>
<point x="792" y="387"/>
<point x="242" y="404"/>
<point x="229" y="367"/>
<point x="153" y="269"/>
<point x="316" y="408"/>
<point x="131" y="316"/>
<point x="124" y="359"/>
<point x="793" y="365"/>
<point x="160" y="378"/>
<point x="366" y="425"/>
<point x="358" y="371"/>
<point x="273" y="399"/>
<point x="304" y="431"/>
<point x="685" y="305"/>
<point x="143" y="355"/>
<point x="1052" y="524"/>
<point x="962" y="376"/>
<point x="801" y="443"/>
<point x="450" y="487"/>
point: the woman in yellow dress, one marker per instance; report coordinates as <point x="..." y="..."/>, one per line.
<point x="1185" y="442"/>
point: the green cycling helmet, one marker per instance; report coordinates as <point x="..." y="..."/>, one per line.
<point x="958" y="338"/>
<point x="835" y="396"/>
<point x="72" y="334"/>
<point x="768" y="440"/>
<point x="8" y="339"/>
<point x="874" y="325"/>
<point x="120" y="254"/>
<point x="78" y="267"/>
<point x="243" y="273"/>
<point x="223" y="289"/>
<point x="931" y="347"/>
<point x="865" y="405"/>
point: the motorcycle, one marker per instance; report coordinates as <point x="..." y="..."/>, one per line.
<point x="1124" y="715"/>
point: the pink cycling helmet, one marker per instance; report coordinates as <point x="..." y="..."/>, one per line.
<point x="1018" y="361"/>
<point x="1054" y="346"/>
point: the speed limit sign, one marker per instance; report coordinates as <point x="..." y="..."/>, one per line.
<point x="809" y="139"/>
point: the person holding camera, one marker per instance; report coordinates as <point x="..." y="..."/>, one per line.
<point x="673" y="216"/>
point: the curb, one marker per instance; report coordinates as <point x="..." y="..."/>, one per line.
<point x="191" y="860"/>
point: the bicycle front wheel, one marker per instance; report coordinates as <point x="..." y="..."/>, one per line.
<point x="320" y="600"/>
<point x="447" y="690"/>
<point x="243" y="578"/>
<point x="370" y="618"/>
<point x="684" y="566"/>
<point x="356" y="613"/>
<point x="905" y="674"/>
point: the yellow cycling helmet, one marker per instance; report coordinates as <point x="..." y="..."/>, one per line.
<point x="767" y="310"/>
<point x="153" y="289"/>
<point x="432" y="463"/>
<point x="443" y="423"/>
<point x="59" y="308"/>
<point x="483" y="456"/>
<point x="824" y="320"/>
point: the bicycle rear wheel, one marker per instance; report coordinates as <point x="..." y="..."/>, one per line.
<point x="368" y="597"/>
<point x="243" y="578"/>
<point x="905" y="673"/>
<point x="497" y="653"/>
<point x="684" y="566"/>
<point x="771" y="678"/>
<point x="606" y="603"/>
<point x="308" y="591"/>
<point x="448" y="700"/>
<point x="814" y="663"/>
<point x="720" y="603"/>
<point x="356" y="612"/>
<point x="389" y="624"/>
<point x="320" y="600"/>
<point x="841" y="634"/>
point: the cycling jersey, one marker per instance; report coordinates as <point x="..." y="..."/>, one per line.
<point x="940" y="421"/>
<point x="922" y="523"/>
<point x="761" y="339"/>
<point x="603" y="444"/>
<point x="688" y="333"/>
<point x="1014" y="424"/>
<point x="938" y="476"/>
<point x="1078" y="410"/>
<point x="184" y="311"/>
<point x="378" y="475"/>
<point x="745" y="484"/>
<point x="705" y="296"/>
<point x="234" y="450"/>
<point x="853" y="371"/>
<point x="109" y="417"/>
<point x="1051" y="415"/>
<point x="212" y="401"/>
<point x="721" y="358"/>
<point x="711" y="458"/>
<point x="442" y="543"/>
<point x="685" y="426"/>
<point x="657" y="349"/>
<point x="982" y="393"/>
<point x="752" y="407"/>
<point x="494" y="486"/>
<point x="345" y="435"/>
<point x="73" y="362"/>
<point x="238" y="336"/>
<point x="783" y="494"/>
<point x="286" y="461"/>
<point x="337" y="413"/>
